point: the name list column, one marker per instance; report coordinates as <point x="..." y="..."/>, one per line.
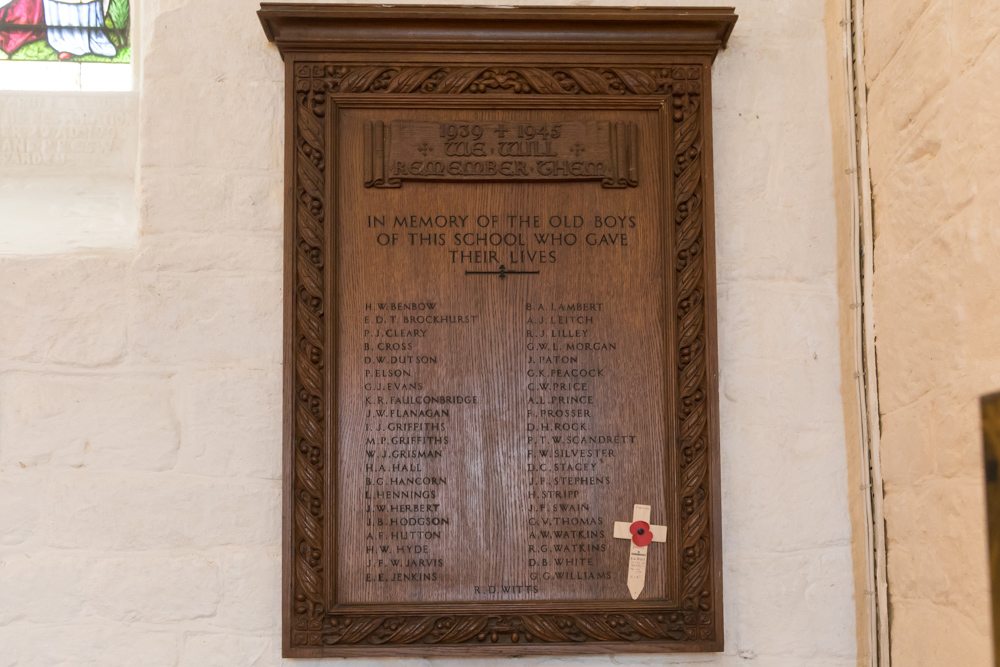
<point x="408" y="433"/>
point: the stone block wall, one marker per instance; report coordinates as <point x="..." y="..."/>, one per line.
<point x="932" y="68"/>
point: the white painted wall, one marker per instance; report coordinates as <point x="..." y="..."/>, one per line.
<point x="67" y="171"/>
<point x="140" y="379"/>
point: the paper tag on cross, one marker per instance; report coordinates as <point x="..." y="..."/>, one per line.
<point x="640" y="534"/>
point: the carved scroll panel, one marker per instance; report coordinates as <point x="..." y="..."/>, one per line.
<point x="463" y="150"/>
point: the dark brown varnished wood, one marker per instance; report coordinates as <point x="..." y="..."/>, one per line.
<point x="366" y="88"/>
<point x="318" y="28"/>
<point x="990" y="411"/>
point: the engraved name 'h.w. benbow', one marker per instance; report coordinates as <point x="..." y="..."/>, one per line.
<point x="459" y="150"/>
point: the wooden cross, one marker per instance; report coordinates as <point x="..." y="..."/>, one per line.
<point x="641" y="534"/>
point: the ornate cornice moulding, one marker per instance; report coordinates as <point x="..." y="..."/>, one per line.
<point x="307" y="28"/>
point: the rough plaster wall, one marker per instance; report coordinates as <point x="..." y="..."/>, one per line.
<point x="139" y="388"/>
<point x="932" y="68"/>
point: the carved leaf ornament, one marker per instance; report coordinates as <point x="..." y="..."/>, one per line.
<point x="315" y="81"/>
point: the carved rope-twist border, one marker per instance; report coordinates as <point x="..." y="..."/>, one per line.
<point x="310" y="339"/>
<point x="692" y="384"/>
<point x="311" y="625"/>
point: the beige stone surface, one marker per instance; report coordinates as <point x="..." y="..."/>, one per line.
<point x="842" y="118"/>
<point x="20" y="509"/>
<point x="64" y="327"/>
<point x="140" y="384"/>
<point x="76" y="421"/>
<point x="158" y="511"/>
<point x="932" y="68"/>
<point x="67" y="171"/>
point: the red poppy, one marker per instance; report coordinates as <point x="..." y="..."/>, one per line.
<point x="641" y="534"/>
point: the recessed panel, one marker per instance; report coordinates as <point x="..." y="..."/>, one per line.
<point x="502" y="386"/>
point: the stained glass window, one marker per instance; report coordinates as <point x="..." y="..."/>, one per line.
<point x="65" y="45"/>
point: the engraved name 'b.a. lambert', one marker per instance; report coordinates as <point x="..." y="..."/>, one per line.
<point x="459" y="150"/>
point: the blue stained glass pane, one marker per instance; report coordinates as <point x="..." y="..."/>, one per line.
<point x="65" y="30"/>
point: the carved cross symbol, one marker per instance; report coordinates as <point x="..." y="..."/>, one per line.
<point x="577" y="148"/>
<point x="425" y="148"/>
<point x="641" y="534"/>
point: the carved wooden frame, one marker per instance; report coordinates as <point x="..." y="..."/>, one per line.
<point x="346" y="53"/>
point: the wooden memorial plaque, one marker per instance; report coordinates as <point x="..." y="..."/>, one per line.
<point x="501" y="429"/>
<point x="990" y="413"/>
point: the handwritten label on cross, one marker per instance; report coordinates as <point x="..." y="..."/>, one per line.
<point x="641" y="534"/>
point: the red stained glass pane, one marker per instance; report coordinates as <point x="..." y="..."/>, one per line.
<point x="65" y="30"/>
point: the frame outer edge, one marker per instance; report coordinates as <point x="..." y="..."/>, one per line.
<point x="712" y="361"/>
<point x="288" y="370"/>
<point x="289" y="373"/>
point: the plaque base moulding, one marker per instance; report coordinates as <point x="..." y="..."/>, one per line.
<point x="499" y="329"/>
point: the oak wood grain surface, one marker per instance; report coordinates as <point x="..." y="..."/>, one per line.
<point x="583" y="339"/>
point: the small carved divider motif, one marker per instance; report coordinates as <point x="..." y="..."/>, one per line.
<point x="313" y="624"/>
